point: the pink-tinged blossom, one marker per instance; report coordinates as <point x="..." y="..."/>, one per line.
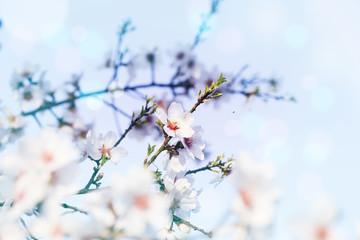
<point x="56" y="222"/>
<point x="255" y="201"/>
<point x="99" y="146"/>
<point x="180" y="55"/>
<point x="41" y="167"/>
<point x="22" y="76"/>
<point x="204" y="78"/>
<point x="177" y="122"/>
<point x="176" y="163"/>
<point x="194" y="145"/>
<point x="144" y="128"/>
<point x="30" y="97"/>
<point x="236" y="232"/>
<point x="167" y="234"/>
<point x="11" y="120"/>
<point x="182" y="193"/>
<point x="74" y="125"/>
<point x="131" y="205"/>
<point x="48" y="152"/>
<point x="10" y="229"/>
<point x="319" y="225"/>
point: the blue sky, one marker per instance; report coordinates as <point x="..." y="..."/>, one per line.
<point x="311" y="46"/>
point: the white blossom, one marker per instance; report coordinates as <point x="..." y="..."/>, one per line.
<point x="319" y="224"/>
<point x="180" y="55"/>
<point x="177" y="122"/>
<point x="194" y="145"/>
<point x="177" y="163"/>
<point x="184" y="197"/>
<point x="255" y="201"/>
<point x="99" y="146"/>
<point x="131" y="205"/>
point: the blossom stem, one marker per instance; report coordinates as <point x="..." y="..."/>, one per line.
<point x="207" y="167"/>
<point x="162" y="147"/>
<point x="179" y="220"/>
<point x="75" y="209"/>
<point x="27" y="229"/>
<point x="184" y="84"/>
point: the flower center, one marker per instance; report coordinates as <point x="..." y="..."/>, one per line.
<point x="191" y="64"/>
<point x="245" y="196"/>
<point x="20" y="196"/>
<point x="12" y="118"/>
<point x="105" y="150"/>
<point x="47" y="157"/>
<point x="180" y="55"/>
<point x="321" y="233"/>
<point x="173" y="126"/>
<point x="188" y="142"/>
<point x="57" y="230"/>
<point x="28" y="95"/>
<point x="26" y="74"/>
<point x="141" y="201"/>
<point x="150" y="57"/>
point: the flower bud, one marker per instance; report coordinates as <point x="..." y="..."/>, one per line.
<point x="184" y="228"/>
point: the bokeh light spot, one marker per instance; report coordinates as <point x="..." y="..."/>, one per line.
<point x="94" y="46"/>
<point x="25" y="21"/>
<point x="278" y="152"/>
<point x="322" y="99"/>
<point x="269" y="18"/>
<point x="94" y="104"/>
<point x="274" y="130"/>
<point x="69" y="60"/>
<point x="309" y="186"/>
<point x="309" y="83"/>
<point x="296" y="35"/>
<point x="318" y="148"/>
<point x="231" y="127"/>
<point x="60" y="39"/>
<point x="18" y="46"/>
<point x="250" y="125"/>
<point x="229" y="41"/>
<point x="78" y="34"/>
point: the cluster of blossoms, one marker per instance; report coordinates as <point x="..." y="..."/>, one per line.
<point x="29" y="88"/>
<point x="319" y="225"/>
<point x="254" y="204"/>
<point x="42" y="194"/>
<point x="11" y="126"/>
<point x="43" y="170"/>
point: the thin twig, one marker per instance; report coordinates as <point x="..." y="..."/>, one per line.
<point x="27" y="229"/>
<point x="75" y="209"/>
<point x="179" y="220"/>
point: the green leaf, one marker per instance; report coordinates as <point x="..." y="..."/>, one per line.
<point x="151" y="148"/>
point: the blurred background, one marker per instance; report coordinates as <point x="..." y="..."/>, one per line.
<point x="311" y="46"/>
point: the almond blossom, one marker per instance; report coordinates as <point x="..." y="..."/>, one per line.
<point x="184" y="197"/>
<point x="180" y="55"/>
<point x="177" y="122"/>
<point x="194" y="145"/>
<point x="176" y="163"/>
<point x="41" y="166"/>
<point x="102" y="147"/>
<point x="131" y="206"/>
<point x="319" y="224"/>
<point x="254" y="204"/>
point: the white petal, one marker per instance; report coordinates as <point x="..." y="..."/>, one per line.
<point x="160" y="114"/>
<point x="117" y="153"/>
<point x="185" y="132"/>
<point x="110" y="139"/>
<point x="175" y="110"/>
<point x="188" y="119"/>
<point x="169" y="132"/>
